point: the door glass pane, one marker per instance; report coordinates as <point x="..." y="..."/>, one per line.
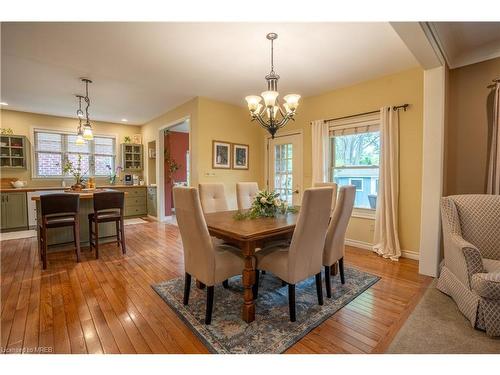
<point x="283" y="168"/>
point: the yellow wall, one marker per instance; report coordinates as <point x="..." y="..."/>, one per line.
<point x="23" y="123"/>
<point x="214" y="120"/>
<point x="403" y="87"/>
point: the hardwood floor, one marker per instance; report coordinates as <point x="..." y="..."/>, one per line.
<point x="108" y="305"/>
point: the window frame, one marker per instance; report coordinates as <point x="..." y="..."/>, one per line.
<point x="357" y="179"/>
<point x="369" y="121"/>
<point x="65" y="152"/>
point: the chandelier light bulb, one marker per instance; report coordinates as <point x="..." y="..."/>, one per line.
<point x="87" y="132"/>
<point x="292" y="100"/>
<point x="79" y="139"/>
<point x="253" y="102"/>
<point x="269" y="98"/>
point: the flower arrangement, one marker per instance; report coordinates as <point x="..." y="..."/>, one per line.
<point x="76" y="171"/>
<point x="113" y="174"/>
<point x="266" y="204"/>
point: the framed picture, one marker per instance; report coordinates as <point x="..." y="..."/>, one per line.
<point x="137" y="139"/>
<point x="221" y="155"/>
<point x="240" y="156"/>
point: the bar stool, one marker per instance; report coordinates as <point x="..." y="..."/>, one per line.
<point x="108" y="207"/>
<point x="59" y="210"/>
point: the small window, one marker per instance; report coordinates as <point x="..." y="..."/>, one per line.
<point x="358" y="182"/>
<point x="354" y="157"/>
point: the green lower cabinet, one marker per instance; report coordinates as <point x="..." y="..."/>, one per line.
<point x="135" y="201"/>
<point x="14" y="211"/>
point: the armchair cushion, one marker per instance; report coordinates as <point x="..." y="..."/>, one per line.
<point x="491" y="265"/>
<point x="487" y="285"/>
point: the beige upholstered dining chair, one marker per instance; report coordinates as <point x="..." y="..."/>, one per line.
<point x="303" y="258"/>
<point x="335" y="236"/>
<point x="245" y="194"/>
<point x="332" y="185"/>
<point x="208" y="262"/>
<point x="213" y="197"/>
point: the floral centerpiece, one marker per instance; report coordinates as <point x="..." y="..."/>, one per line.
<point x="113" y="174"/>
<point x="76" y="171"/>
<point x="266" y="204"/>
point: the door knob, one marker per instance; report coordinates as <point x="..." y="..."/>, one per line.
<point x="296" y="191"/>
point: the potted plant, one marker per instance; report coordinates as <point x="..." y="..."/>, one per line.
<point x="113" y="175"/>
<point x="76" y="171"/>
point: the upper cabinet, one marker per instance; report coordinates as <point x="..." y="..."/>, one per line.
<point x="132" y="157"/>
<point x="13" y="151"/>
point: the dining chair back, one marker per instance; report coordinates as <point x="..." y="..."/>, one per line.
<point x="108" y="207"/>
<point x="199" y="257"/>
<point x="335" y="235"/>
<point x="332" y="185"/>
<point x="58" y="210"/>
<point x="245" y="194"/>
<point x="213" y="197"/>
<point x="306" y="247"/>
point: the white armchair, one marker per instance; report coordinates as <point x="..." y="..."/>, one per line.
<point x="471" y="271"/>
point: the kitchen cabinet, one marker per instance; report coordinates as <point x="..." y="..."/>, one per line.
<point x="13" y="152"/>
<point x="135" y="201"/>
<point x="14" y="213"/>
<point x="132" y="157"/>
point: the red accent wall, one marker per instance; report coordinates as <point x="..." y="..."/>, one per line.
<point x="178" y="144"/>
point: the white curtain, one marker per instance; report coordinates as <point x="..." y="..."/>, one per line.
<point x="493" y="186"/>
<point x="319" y="151"/>
<point x="386" y="237"/>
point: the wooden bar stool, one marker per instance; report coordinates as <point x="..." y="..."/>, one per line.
<point x="59" y="210"/>
<point x="108" y="207"/>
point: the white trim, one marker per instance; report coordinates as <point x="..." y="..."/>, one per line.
<point x="363" y="213"/>
<point x="432" y="170"/>
<point x="359" y="244"/>
<point x="409" y="254"/>
<point x="160" y="170"/>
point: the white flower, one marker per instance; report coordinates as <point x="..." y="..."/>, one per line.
<point x="263" y="200"/>
<point x="277" y="202"/>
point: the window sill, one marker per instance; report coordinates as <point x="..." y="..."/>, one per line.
<point x="363" y="213"/>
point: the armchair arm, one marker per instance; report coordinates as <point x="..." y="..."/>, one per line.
<point x="462" y="258"/>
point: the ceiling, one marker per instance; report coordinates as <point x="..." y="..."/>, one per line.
<point x="141" y="70"/>
<point x="465" y="43"/>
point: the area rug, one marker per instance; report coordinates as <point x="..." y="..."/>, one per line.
<point x="272" y="331"/>
<point x="17" y="235"/>
<point x="436" y="326"/>
<point x="133" y="221"/>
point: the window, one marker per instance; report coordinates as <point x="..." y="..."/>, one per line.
<point x="52" y="149"/>
<point x="357" y="182"/>
<point x="354" y="157"/>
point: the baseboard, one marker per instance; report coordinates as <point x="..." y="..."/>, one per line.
<point x="368" y="246"/>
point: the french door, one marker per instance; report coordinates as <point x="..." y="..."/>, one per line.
<point x="285" y="167"/>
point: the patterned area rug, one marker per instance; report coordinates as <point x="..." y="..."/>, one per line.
<point x="272" y="331"/>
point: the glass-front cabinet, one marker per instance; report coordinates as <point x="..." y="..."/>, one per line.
<point x="132" y="157"/>
<point x="13" y="151"/>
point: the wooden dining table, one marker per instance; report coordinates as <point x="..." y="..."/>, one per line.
<point x="249" y="235"/>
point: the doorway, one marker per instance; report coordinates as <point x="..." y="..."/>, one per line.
<point x="285" y="167"/>
<point x="176" y="162"/>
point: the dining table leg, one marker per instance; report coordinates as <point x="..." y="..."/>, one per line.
<point x="248" y="278"/>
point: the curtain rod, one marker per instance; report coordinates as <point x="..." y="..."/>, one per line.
<point x="496" y="80"/>
<point x="394" y="108"/>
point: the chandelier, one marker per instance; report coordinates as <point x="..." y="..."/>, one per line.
<point x="84" y="133"/>
<point x="272" y="116"/>
<point x="79" y="113"/>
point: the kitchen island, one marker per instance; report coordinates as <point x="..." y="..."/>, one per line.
<point x="64" y="235"/>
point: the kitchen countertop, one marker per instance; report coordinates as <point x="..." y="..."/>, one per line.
<point x="83" y="194"/>
<point x="31" y="189"/>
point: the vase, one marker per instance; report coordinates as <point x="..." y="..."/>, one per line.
<point x="78" y="186"/>
<point x="112" y="180"/>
